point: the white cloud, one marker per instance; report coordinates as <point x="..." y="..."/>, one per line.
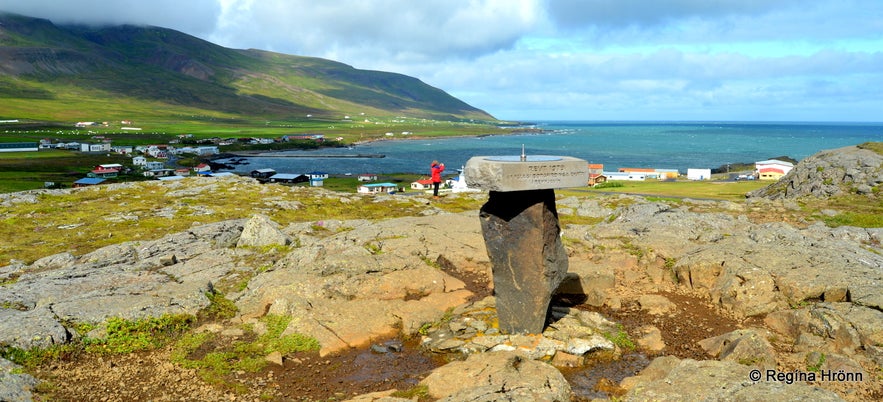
<point x="399" y="30"/>
<point x="574" y="59"/>
<point x="196" y="17"/>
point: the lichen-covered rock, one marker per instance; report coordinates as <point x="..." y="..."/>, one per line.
<point x="671" y="379"/>
<point x="829" y="173"/>
<point x="260" y="231"/>
<point x="497" y="376"/>
<point x="745" y="346"/>
<point x="14" y="385"/>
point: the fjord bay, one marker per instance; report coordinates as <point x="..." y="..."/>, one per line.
<point x="661" y="145"/>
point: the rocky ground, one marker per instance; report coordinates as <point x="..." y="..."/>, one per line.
<point x="310" y="377"/>
<point x="663" y="301"/>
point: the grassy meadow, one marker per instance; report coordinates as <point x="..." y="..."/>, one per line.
<point x="698" y="189"/>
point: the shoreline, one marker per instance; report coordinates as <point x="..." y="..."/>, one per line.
<point x="274" y="153"/>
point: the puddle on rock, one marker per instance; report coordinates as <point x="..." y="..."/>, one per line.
<point x="601" y="379"/>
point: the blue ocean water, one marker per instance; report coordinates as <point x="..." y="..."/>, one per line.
<point x="660" y="145"/>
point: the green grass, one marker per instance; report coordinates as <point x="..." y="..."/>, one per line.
<point x="620" y="338"/>
<point x="85" y="220"/>
<point x="873" y="146"/>
<point x="122" y="336"/>
<point x="854" y="210"/>
<point x="30" y="170"/>
<point x="215" y="358"/>
<point x="127" y="336"/>
<point x="725" y="190"/>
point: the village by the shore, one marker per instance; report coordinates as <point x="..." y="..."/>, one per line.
<point x="159" y="162"/>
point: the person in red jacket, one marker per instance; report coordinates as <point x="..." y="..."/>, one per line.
<point x="437" y="169"/>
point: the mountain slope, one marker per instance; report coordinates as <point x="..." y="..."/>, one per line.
<point x="43" y="65"/>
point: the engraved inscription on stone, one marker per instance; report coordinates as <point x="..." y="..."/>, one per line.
<point x="534" y="173"/>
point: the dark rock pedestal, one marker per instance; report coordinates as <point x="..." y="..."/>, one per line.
<point x="523" y="241"/>
<point x="521" y="231"/>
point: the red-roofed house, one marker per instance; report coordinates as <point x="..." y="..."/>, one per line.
<point x="202" y="167"/>
<point x="422" y="184"/>
<point x="596" y="174"/>
<point x="772" y="169"/>
<point x="105" y="171"/>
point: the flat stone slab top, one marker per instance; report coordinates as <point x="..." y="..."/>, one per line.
<point x="532" y="172"/>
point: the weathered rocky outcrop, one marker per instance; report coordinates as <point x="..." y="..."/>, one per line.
<point x="817" y="290"/>
<point x="349" y="283"/>
<point x="830" y="173"/>
<point x="498" y="376"/>
<point x="129" y="280"/>
<point x="752" y="269"/>
<point x="15" y="386"/>
<point x="671" y="379"/>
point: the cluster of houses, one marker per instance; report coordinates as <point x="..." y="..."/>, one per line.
<point x="764" y="170"/>
<point x="456" y="184"/>
<point x="316" y="179"/>
<point x="161" y="151"/>
<point x="369" y="186"/>
<point x="772" y="169"/>
<point x="153" y="169"/>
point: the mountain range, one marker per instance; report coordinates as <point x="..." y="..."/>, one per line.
<point x="55" y="72"/>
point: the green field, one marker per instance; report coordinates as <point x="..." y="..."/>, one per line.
<point x="698" y="189"/>
<point x="31" y="170"/>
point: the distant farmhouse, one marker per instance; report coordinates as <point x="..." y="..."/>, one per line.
<point x="260" y="174"/>
<point x="288" y="178"/>
<point x="88" y="181"/>
<point x="367" y="177"/>
<point x="649" y="173"/>
<point x="106" y="171"/>
<point x="422" y="184"/>
<point x="633" y="176"/>
<point x="596" y="174"/>
<point x="314" y="137"/>
<point x="378" y="188"/>
<point x="772" y="169"/>
<point x="698" y="174"/>
<point x="102" y="147"/>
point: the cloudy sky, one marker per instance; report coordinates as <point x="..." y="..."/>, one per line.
<point x="748" y="60"/>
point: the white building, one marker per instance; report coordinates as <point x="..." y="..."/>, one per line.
<point x="103" y="147"/>
<point x="633" y="176"/>
<point x="207" y="150"/>
<point x="376" y="188"/>
<point x="154" y="165"/>
<point x="698" y="174"/>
